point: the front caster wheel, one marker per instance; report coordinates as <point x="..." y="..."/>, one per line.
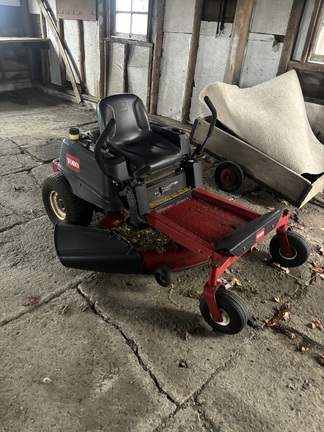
<point x="62" y="205"/>
<point x="163" y="276"/>
<point x="299" y="248"/>
<point x="232" y="309"/>
<point x="228" y="176"/>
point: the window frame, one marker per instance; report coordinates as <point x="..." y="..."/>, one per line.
<point x="308" y="55"/>
<point x="131" y="36"/>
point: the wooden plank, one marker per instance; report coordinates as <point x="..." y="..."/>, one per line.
<point x="3" y="75"/>
<point x="311" y="31"/>
<point x="128" y="41"/>
<point x="314" y="189"/>
<point x="26" y="21"/>
<point x="194" y="42"/>
<point x="254" y="163"/>
<point x="240" y="32"/>
<point x="81" y="55"/>
<point x="149" y="78"/>
<point x="125" y="70"/>
<point x="157" y="54"/>
<point x="102" y="33"/>
<point x="60" y="28"/>
<point x="49" y="20"/>
<point x="294" y="21"/>
<point x="307" y="67"/>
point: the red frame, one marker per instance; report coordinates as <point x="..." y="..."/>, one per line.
<point x="217" y="218"/>
<point x="204" y="250"/>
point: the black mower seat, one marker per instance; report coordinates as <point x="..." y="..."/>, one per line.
<point x="145" y="152"/>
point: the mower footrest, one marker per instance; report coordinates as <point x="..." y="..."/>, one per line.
<point x="95" y="249"/>
<point x="249" y="234"/>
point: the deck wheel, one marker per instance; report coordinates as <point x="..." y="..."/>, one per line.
<point x="232" y="309"/>
<point x="164" y="276"/>
<point x="298" y="245"/>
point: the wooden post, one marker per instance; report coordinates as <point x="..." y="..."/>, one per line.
<point x="295" y="18"/>
<point x="60" y="28"/>
<point x="157" y="54"/>
<point x="102" y="34"/>
<point x="25" y="16"/>
<point x="49" y="20"/>
<point x="127" y="48"/>
<point x="194" y="43"/>
<point x="81" y="55"/>
<point x="240" y="32"/>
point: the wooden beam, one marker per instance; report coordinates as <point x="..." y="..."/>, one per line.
<point x="27" y="25"/>
<point x="157" y="54"/>
<point x="3" y="75"/>
<point x="240" y="32"/>
<point x="106" y="51"/>
<point x="294" y="21"/>
<point x="127" y="48"/>
<point x="27" y="40"/>
<point x="81" y="55"/>
<point x="50" y="22"/>
<point x="60" y="28"/>
<point x="306" y="67"/>
<point x="101" y="13"/>
<point x="194" y="43"/>
<point x="129" y="41"/>
<point x="311" y="31"/>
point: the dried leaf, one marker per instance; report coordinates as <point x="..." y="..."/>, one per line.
<point x="286" y="332"/>
<point x="31" y="301"/>
<point x="186" y="335"/>
<point x="286" y="316"/>
<point x="47" y="380"/>
<point x="273" y="321"/>
<point x="235" y="282"/>
<point x="281" y="313"/>
<point x="300" y="227"/>
<point x="303" y="348"/>
<point x="311" y="325"/>
<point x="270" y="208"/>
<point x="277" y="299"/>
<point x="86" y="307"/>
<point x="318" y="325"/>
<point x="64" y="309"/>
<point x="183" y="364"/>
<point x="316" y="268"/>
<point x="320" y="359"/>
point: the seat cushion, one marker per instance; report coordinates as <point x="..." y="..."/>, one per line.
<point x="148" y="150"/>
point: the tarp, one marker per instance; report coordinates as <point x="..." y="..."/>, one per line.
<point x="272" y="118"/>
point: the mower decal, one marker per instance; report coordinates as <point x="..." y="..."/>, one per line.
<point x="260" y="234"/>
<point x="73" y="163"/>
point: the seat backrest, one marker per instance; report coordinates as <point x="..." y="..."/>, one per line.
<point x="130" y="114"/>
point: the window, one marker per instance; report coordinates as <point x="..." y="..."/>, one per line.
<point x="131" y="18"/>
<point x="317" y="46"/>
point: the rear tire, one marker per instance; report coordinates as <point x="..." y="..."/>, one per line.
<point x="232" y="310"/>
<point x="62" y="205"/>
<point x="228" y="176"/>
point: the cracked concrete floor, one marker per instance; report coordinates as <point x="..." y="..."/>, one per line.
<point x="83" y="351"/>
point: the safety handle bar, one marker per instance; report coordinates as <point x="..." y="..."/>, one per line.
<point x="97" y="149"/>
<point x="200" y="147"/>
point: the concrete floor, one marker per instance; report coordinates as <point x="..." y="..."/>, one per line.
<point x="82" y="351"/>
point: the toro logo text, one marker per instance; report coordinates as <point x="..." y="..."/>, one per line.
<point x="73" y="163"/>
